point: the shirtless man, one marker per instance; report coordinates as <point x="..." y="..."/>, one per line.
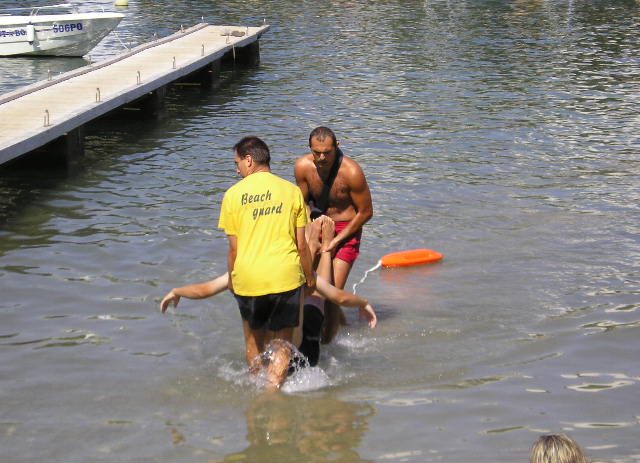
<point x="334" y="184"/>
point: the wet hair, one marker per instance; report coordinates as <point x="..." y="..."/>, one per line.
<point x="255" y="147"/>
<point x="556" y="448"/>
<point x="321" y="133"/>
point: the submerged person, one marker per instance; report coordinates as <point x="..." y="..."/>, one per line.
<point x="335" y="185"/>
<point x="319" y="325"/>
<point x="556" y="448"/>
<point x="269" y="265"/>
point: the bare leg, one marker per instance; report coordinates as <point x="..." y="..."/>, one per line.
<point x="341" y="271"/>
<point x="312" y="234"/>
<point x="334" y="317"/>
<point x="254" y="344"/>
<point x="340" y="268"/>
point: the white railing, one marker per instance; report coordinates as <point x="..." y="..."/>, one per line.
<point x="34" y="10"/>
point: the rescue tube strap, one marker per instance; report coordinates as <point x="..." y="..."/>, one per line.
<point x="375" y="267"/>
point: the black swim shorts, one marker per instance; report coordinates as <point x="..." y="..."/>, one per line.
<point x="272" y="312"/>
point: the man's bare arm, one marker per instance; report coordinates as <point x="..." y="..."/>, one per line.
<point x="301" y="177"/>
<point x="231" y="258"/>
<point x="361" y="198"/>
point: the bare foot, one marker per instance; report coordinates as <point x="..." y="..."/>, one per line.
<point x="328" y="232"/>
<point x="313" y="236"/>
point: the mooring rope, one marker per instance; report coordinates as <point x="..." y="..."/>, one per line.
<point x="121" y="42"/>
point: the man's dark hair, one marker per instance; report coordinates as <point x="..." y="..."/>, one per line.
<point x="321" y="133"/>
<point x="255" y="147"/>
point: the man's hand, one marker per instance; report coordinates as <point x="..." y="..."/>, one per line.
<point x="311" y="282"/>
<point x="333" y="244"/>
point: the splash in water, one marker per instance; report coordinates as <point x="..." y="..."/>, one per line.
<point x="281" y="366"/>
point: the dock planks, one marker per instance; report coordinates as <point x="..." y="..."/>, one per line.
<point x="33" y="116"/>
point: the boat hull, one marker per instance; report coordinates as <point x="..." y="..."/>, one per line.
<point x="55" y="35"/>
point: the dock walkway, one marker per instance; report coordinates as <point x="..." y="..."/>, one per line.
<point x="33" y="116"/>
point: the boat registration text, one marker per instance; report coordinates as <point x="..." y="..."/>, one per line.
<point x="56" y="29"/>
<point x="13" y="33"/>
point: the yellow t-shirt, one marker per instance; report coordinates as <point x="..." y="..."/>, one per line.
<point x="263" y="211"/>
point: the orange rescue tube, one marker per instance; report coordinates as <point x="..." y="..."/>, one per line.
<point x="411" y="257"/>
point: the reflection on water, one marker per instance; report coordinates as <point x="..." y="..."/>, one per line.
<point x="619" y="380"/>
<point x="607" y="325"/>
<point x="16" y="72"/>
<point x="503" y="430"/>
<point x="602" y="425"/>
<point x="291" y="428"/>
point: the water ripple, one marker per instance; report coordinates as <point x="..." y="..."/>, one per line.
<point x="619" y="380"/>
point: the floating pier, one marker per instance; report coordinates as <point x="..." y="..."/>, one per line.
<point x="55" y="110"/>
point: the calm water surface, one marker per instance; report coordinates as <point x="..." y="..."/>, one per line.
<point x="501" y="133"/>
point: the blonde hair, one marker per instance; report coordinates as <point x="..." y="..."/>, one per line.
<point x="556" y="448"/>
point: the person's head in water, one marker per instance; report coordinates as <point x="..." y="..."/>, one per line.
<point x="556" y="448"/>
<point x="251" y="155"/>
<point x="323" y="145"/>
<point x="276" y="361"/>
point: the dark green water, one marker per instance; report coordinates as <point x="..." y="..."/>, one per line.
<point x="501" y="133"/>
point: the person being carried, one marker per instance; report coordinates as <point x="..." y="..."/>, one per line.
<point x="318" y="324"/>
<point x="335" y="185"/>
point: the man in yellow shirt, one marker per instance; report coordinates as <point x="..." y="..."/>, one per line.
<point x="269" y="262"/>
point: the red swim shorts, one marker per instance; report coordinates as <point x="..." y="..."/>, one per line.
<point x="349" y="249"/>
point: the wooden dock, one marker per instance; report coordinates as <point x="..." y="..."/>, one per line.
<point x="57" y="108"/>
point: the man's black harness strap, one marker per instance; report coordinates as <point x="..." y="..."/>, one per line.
<point x="320" y="206"/>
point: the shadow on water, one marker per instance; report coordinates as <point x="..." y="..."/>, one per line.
<point x="288" y="428"/>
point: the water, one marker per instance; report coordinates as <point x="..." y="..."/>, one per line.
<point x="503" y="134"/>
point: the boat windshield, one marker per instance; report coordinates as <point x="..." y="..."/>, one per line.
<point x="34" y="10"/>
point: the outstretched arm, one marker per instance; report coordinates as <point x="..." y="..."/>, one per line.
<point x="195" y="291"/>
<point x="342" y="297"/>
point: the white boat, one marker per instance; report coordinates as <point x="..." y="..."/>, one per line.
<point x="65" y="34"/>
